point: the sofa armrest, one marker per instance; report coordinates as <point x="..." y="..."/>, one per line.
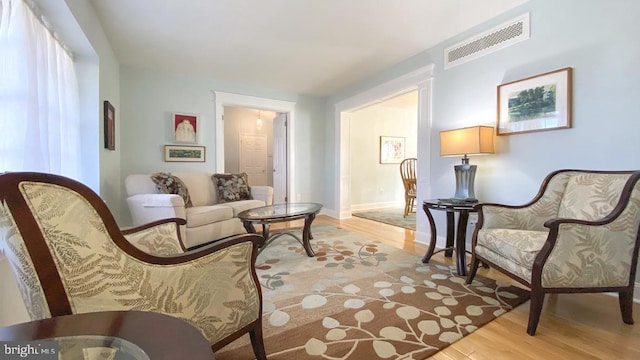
<point x="147" y="208"/>
<point x="264" y="193"/>
<point x="161" y="237"/>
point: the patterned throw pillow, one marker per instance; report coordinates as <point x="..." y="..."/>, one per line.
<point x="232" y="187"/>
<point x="170" y="184"/>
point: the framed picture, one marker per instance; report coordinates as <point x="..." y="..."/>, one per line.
<point x="537" y="103"/>
<point x="184" y="153"/>
<point x="391" y="149"/>
<point x="109" y="126"/>
<point x="185" y="128"/>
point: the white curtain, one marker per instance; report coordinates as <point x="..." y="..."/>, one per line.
<point x="39" y="110"/>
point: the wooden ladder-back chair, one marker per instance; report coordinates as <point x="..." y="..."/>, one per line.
<point x="70" y="257"/>
<point x="578" y="235"/>
<point x="408" y="174"/>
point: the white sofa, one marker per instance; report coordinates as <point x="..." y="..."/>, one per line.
<point x="207" y="220"/>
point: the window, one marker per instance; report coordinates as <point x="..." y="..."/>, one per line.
<point x="39" y="110"/>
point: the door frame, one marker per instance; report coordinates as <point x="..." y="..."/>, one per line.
<point x="420" y="80"/>
<point x="223" y="99"/>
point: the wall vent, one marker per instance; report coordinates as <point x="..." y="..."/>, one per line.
<point x="499" y="37"/>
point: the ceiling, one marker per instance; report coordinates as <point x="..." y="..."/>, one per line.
<point x="302" y="46"/>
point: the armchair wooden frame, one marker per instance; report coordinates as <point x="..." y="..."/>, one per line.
<point x="46" y="269"/>
<point x="538" y="291"/>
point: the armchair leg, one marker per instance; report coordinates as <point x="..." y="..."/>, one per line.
<point x="257" y="342"/>
<point x="473" y="270"/>
<point x="535" y="309"/>
<point x="626" y="306"/>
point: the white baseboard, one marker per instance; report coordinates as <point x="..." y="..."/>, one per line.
<point x="376" y="206"/>
<point x="330" y="213"/>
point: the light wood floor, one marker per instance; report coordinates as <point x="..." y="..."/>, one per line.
<point x="572" y="326"/>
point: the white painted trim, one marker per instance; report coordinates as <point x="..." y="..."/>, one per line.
<point x="385" y="91"/>
<point x="421" y="80"/>
<point x="223" y="99"/>
<point x="377" y="206"/>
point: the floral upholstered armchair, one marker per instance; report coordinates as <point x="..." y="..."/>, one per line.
<point x="579" y="234"/>
<point x="69" y="257"/>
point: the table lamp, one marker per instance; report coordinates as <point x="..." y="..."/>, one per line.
<point x="473" y="140"/>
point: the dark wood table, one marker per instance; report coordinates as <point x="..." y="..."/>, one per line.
<point x="458" y="236"/>
<point x="270" y="214"/>
<point x="133" y="334"/>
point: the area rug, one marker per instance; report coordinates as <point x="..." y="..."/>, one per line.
<point x="361" y="299"/>
<point x="390" y="216"/>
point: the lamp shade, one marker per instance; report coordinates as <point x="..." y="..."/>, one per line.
<point x="467" y="141"/>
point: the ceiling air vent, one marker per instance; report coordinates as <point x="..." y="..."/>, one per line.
<point x="499" y="37"/>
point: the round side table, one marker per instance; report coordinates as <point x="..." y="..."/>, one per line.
<point x="459" y="236"/>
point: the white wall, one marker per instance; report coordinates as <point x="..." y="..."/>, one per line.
<point x="593" y="38"/>
<point x="376" y="185"/>
<point x="99" y="81"/>
<point x="150" y="97"/>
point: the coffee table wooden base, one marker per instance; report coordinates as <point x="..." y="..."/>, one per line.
<point x="252" y="217"/>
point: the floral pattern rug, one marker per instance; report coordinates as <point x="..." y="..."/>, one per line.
<point x="361" y="299"/>
<point x="393" y="217"/>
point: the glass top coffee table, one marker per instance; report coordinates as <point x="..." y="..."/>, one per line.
<point x="270" y="214"/>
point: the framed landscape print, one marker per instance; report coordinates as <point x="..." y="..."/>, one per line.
<point x="185" y="128"/>
<point x="391" y="149"/>
<point x="537" y="103"/>
<point x="109" y="126"/>
<point x="184" y="153"/>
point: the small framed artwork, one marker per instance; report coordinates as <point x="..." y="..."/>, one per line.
<point x="184" y="153"/>
<point x="109" y="126"/>
<point x="391" y="149"/>
<point x="185" y="128"/>
<point x="537" y="103"/>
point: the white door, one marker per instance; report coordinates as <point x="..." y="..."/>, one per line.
<point x="280" y="148"/>
<point x="253" y="157"/>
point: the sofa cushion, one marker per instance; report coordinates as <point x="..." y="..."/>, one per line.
<point x="203" y="215"/>
<point x="201" y="188"/>
<point x="518" y="246"/>
<point x="170" y="184"/>
<point x="232" y="187"/>
<point x="242" y="205"/>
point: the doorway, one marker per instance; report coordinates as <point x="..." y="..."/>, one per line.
<point x="248" y="142"/>
<point x="283" y="121"/>
<point x="420" y="80"/>
<point x="377" y="186"/>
